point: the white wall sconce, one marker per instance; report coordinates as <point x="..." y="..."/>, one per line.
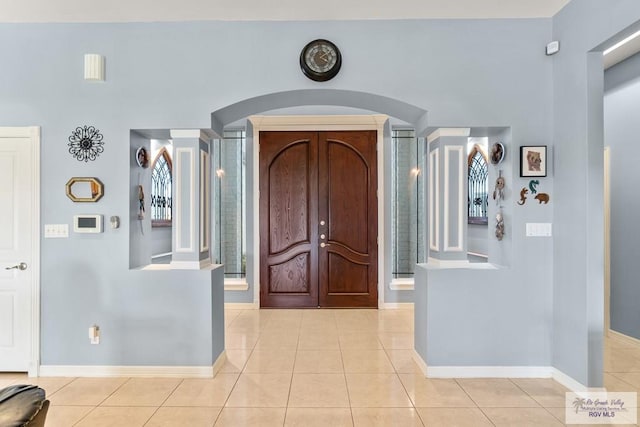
<point x="94" y="67"/>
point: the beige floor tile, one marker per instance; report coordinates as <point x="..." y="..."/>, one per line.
<point x="203" y="391"/>
<point x="236" y="360"/>
<point x="545" y="391"/>
<point x="395" y="324"/>
<point x="386" y="417"/>
<point x="318" y="417"/>
<point x="403" y="362"/>
<point x="318" y="390"/>
<point x="613" y="383"/>
<point x="50" y="384"/>
<point x="521" y="417"/>
<point x="109" y="416"/>
<point x="192" y="417"/>
<point x="271" y="361"/>
<point x="260" y="391"/>
<point x="376" y="391"/>
<point x="435" y="392"/>
<point x="318" y="340"/>
<point x="396" y="340"/>
<point x="359" y="340"/>
<point x="278" y="339"/>
<point x="11" y="378"/>
<point x="621" y="360"/>
<point x="86" y="391"/>
<point x="318" y="362"/>
<point x="262" y="417"/>
<point x="279" y="325"/>
<point x="453" y="417"/>
<point x="632" y="378"/>
<point x="366" y="361"/>
<point x="496" y="393"/>
<point x="143" y="392"/>
<point x="65" y="416"/>
<point x="240" y="340"/>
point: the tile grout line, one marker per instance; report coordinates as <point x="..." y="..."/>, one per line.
<point x="476" y="403"/>
<point x="164" y="401"/>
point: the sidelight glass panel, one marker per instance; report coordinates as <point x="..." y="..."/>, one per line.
<point x="408" y="202"/>
<point x="229" y="187"/>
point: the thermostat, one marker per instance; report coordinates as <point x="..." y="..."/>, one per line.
<point x="87" y="223"/>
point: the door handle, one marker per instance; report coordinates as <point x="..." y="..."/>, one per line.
<point x="22" y="266"/>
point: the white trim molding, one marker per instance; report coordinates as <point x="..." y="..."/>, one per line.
<point x="318" y="123"/>
<point x="129" y="371"/>
<point x="397" y="306"/>
<point x="407" y="284"/>
<point x="440" y="132"/>
<point x="420" y="362"/>
<point x="236" y="284"/>
<point x="489" y="372"/>
<point x="204" y="200"/>
<point x="434" y="200"/>
<point x="179" y="200"/>
<point x="448" y="150"/>
<point x="187" y="265"/>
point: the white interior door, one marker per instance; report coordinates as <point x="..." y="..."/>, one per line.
<point x="18" y="248"/>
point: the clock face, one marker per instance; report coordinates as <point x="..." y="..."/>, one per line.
<point x="320" y="60"/>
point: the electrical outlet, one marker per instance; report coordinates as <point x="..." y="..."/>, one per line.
<point x="94" y="334"/>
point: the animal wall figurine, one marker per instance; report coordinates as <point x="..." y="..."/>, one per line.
<point x="532" y="185"/>
<point x="523" y="197"/>
<point x="542" y="198"/>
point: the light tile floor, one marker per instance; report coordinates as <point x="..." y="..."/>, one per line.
<point x="319" y="368"/>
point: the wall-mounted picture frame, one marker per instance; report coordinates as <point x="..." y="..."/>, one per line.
<point x="142" y="157"/>
<point x="533" y="160"/>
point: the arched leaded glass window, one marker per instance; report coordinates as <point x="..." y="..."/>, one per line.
<point x="478" y="186"/>
<point x="161" y="190"/>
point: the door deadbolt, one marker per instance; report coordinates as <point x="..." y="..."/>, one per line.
<point x="22" y="266"/>
<point x="322" y="236"/>
<point x="323" y="244"/>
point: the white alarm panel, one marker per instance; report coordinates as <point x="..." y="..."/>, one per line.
<point x="87" y="223"/>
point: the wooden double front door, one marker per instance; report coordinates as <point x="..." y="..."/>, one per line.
<point x="318" y="219"/>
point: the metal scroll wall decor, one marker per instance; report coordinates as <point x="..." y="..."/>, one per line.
<point x="85" y="143"/>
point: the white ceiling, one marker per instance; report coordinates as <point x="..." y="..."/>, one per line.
<point x="269" y="10"/>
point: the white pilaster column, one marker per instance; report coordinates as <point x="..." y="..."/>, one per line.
<point x="447" y="195"/>
<point x="191" y="232"/>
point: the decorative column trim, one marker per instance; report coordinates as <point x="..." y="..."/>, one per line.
<point x="447" y="188"/>
<point x="434" y="200"/>
<point x="180" y="153"/>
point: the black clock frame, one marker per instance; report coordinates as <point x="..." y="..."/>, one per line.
<point x="314" y="75"/>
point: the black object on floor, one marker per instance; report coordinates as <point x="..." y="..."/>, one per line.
<point x="23" y="406"/>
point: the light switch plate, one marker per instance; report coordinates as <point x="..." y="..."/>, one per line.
<point x="539" y="229"/>
<point x="56" y="231"/>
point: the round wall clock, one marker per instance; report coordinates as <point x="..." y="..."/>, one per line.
<point x="320" y="60"/>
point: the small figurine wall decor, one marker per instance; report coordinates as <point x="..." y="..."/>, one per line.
<point x="499" y="225"/>
<point x="498" y="192"/>
<point x="542" y="198"/>
<point x="523" y="197"/>
<point x="86" y="143"/>
<point x="532" y="185"/>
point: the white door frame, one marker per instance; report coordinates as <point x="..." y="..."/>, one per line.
<point x="607" y="240"/>
<point x="317" y="123"/>
<point x="32" y="133"/>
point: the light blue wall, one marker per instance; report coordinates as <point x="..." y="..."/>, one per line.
<point x="582" y="26"/>
<point x="621" y="134"/>
<point x="470" y="73"/>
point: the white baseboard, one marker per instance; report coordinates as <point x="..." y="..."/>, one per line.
<point x="567" y="381"/>
<point x="489" y="372"/>
<point x="128" y="371"/>
<point x="235" y="285"/>
<point x="420" y="362"/>
<point x="397" y="305"/>
<point x="626" y="338"/>
<point x="219" y="363"/>
<point x="402" y="284"/>
<point x="241" y="306"/>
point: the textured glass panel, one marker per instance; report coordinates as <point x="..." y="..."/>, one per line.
<point x="161" y="189"/>
<point x="478" y="187"/>
<point x="408" y="203"/>
<point x="229" y="167"/>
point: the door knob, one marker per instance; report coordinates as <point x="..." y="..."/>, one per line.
<point x="22" y="266"/>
